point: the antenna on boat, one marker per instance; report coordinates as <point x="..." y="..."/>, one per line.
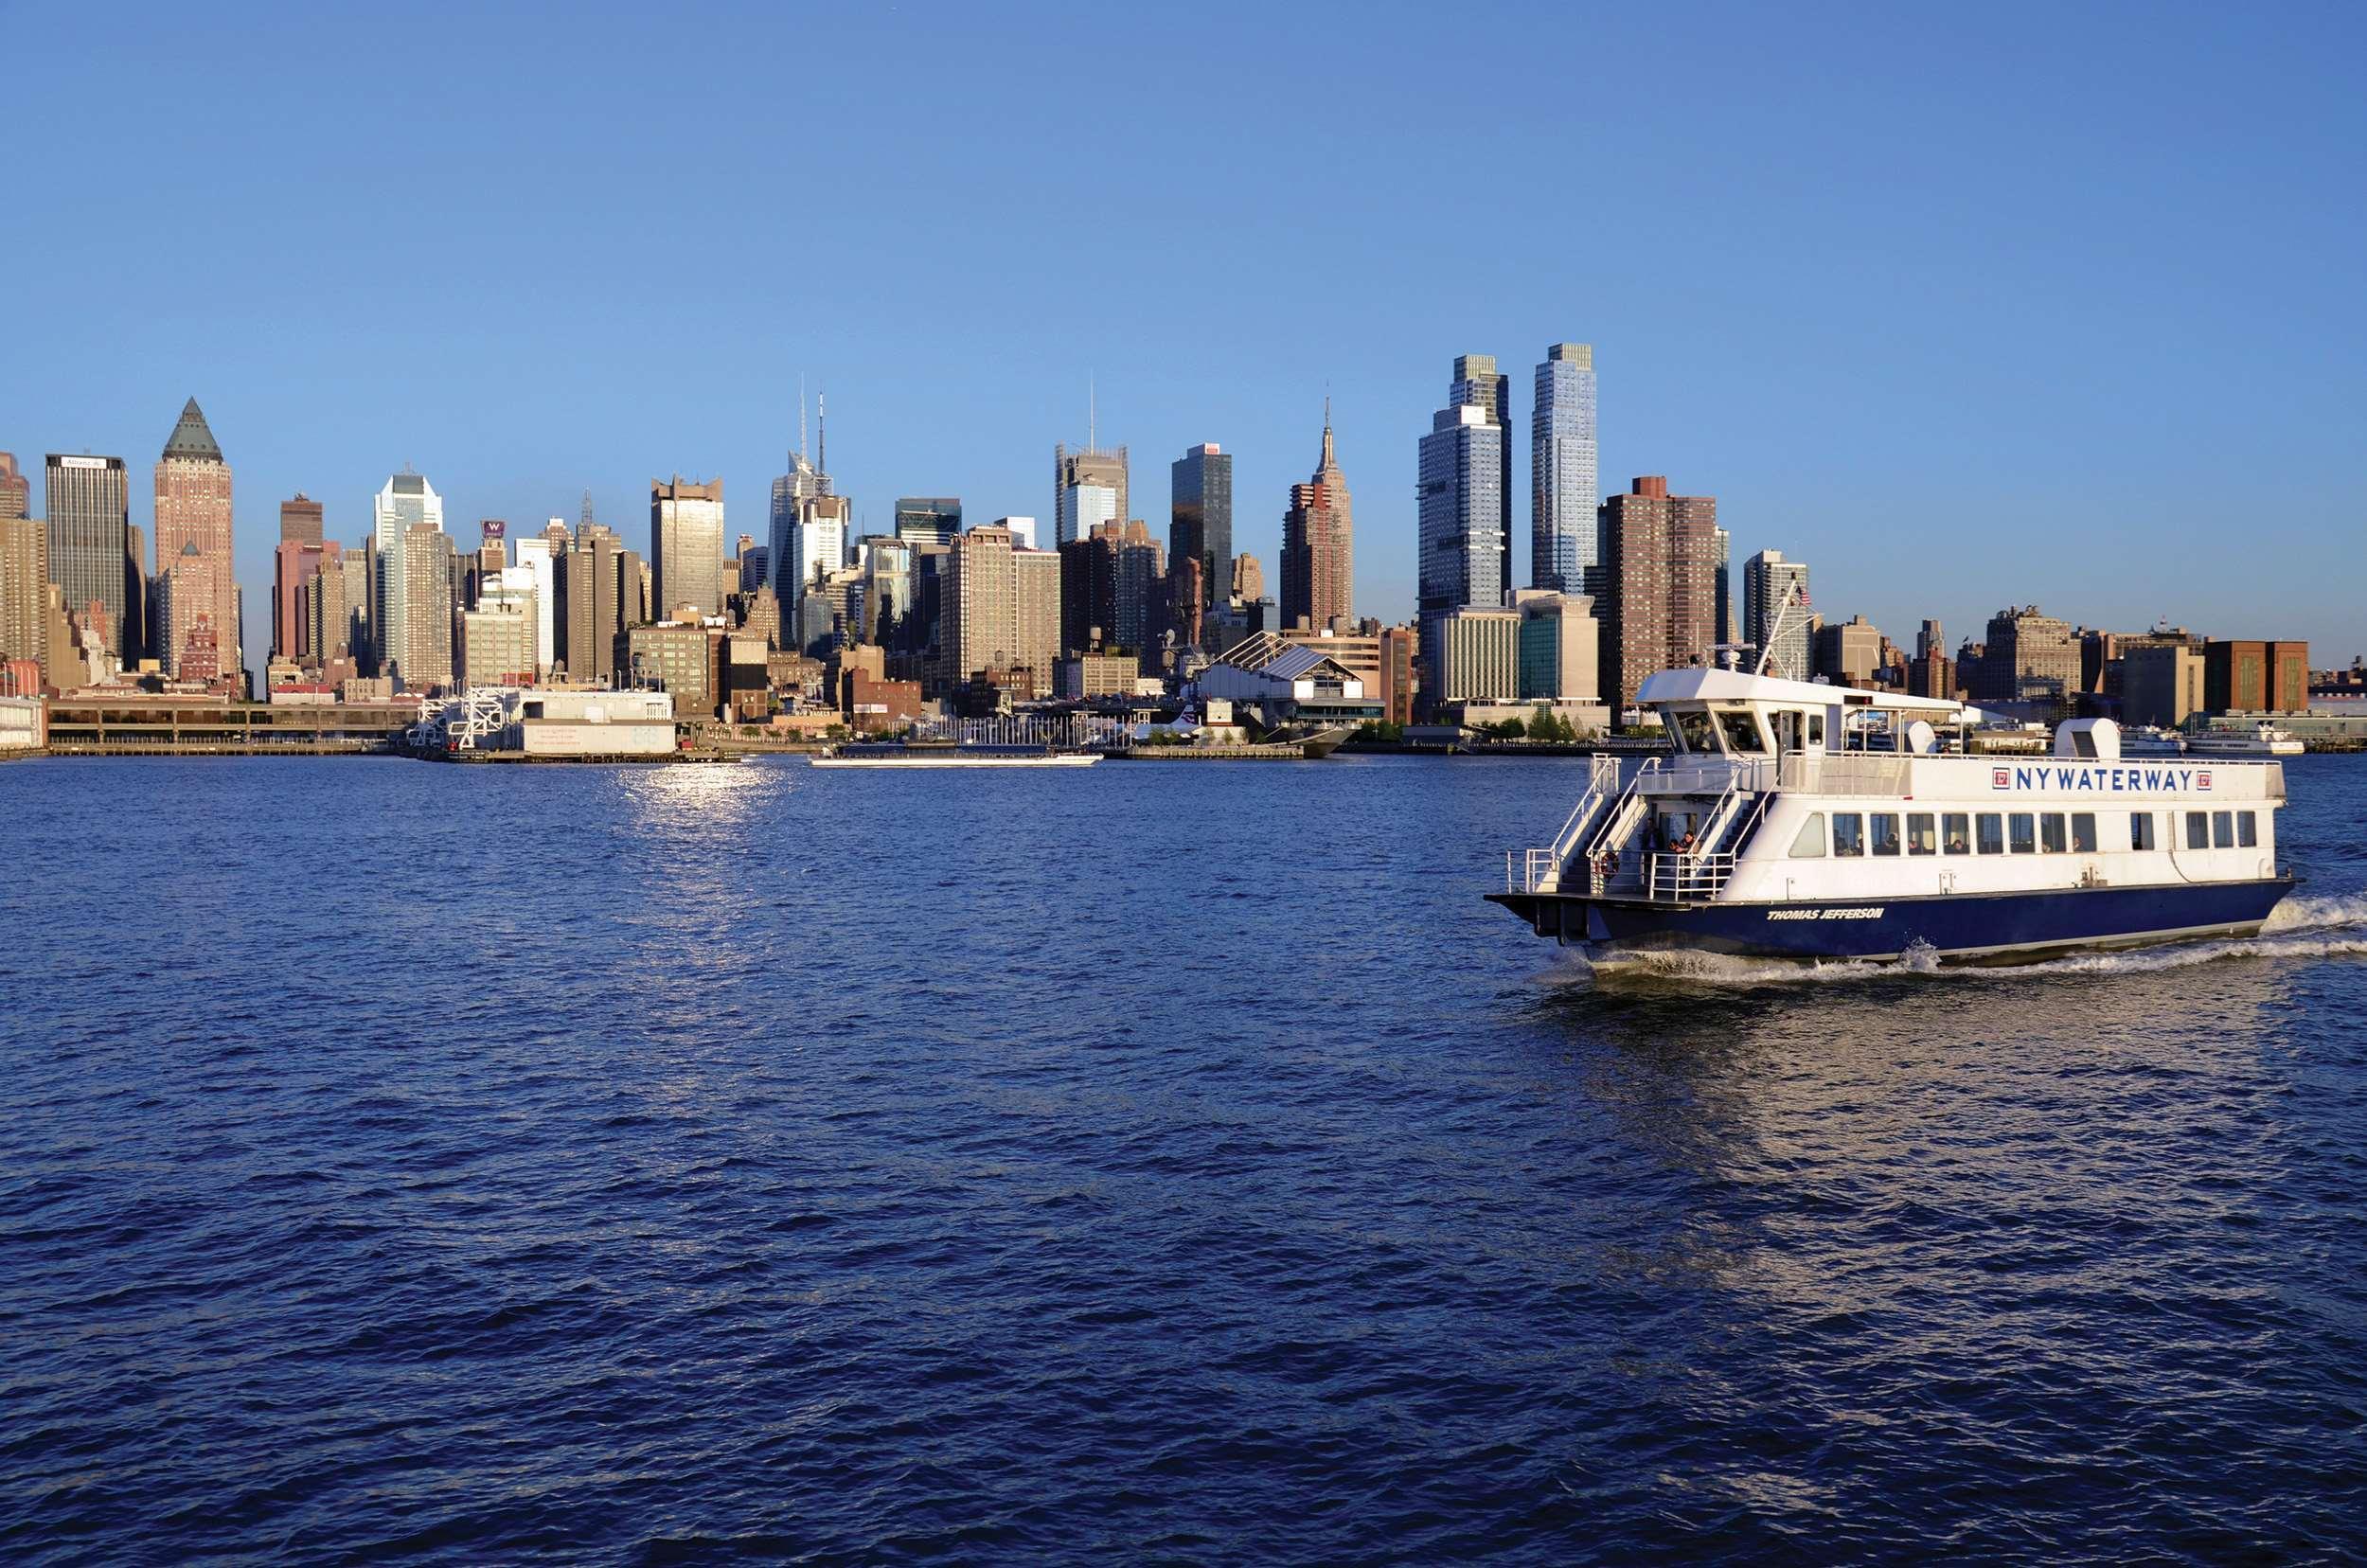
<point x="1799" y="596"/>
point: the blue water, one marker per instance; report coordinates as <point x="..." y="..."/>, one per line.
<point x="1145" y="1162"/>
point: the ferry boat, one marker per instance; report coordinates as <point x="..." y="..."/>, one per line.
<point x="943" y="753"/>
<point x="2152" y="740"/>
<point x="1804" y="821"/>
<point x="2262" y="739"/>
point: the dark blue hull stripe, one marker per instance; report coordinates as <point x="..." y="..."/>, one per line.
<point x="1964" y="925"/>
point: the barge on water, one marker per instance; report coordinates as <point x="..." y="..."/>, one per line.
<point x="1804" y="821"/>
<point x="950" y="754"/>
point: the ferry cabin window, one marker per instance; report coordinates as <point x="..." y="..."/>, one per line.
<point x="1808" y="844"/>
<point x="1921" y="840"/>
<point x="2223" y="829"/>
<point x="1992" y="833"/>
<point x="1694" y="733"/>
<point x="2083" y="832"/>
<point x="2141" y="835"/>
<point x="2051" y="832"/>
<point x="1848" y="833"/>
<point x="2247" y="831"/>
<point x="1788" y="730"/>
<point x="1816" y="731"/>
<point x="2021" y="829"/>
<point x="1742" y="733"/>
<point x="2198" y="831"/>
<point x="1956" y="827"/>
<point x="1886" y="832"/>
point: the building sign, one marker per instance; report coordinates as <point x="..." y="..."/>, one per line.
<point x="2107" y="780"/>
<point x="83" y="462"/>
<point x="495" y="527"/>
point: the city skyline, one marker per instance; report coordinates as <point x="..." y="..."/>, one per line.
<point x="2022" y="342"/>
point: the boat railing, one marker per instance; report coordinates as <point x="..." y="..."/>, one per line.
<point x="1602" y="782"/>
<point x="1686" y="876"/>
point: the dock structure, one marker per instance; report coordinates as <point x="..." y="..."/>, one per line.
<point x="137" y="727"/>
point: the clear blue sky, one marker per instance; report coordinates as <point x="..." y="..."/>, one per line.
<point x="1964" y="305"/>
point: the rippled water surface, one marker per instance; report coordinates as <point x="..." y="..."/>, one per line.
<point x="1149" y="1161"/>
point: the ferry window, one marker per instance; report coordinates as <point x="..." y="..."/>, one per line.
<point x="1816" y="730"/>
<point x="1886" y="832"/>
<point x="2141" y="830"/>
<point x="2051" y="832"/>
<point x="2198" y="831"/>
<point x="1921" y="840"/>
<point x="1848" y="833"/>
<point x="2083" y="832"/>
<point x="1958" y="829"/>
<point x="1788" y="730"/>
<point x="1992" y="833"/>
<point x="2021" y="829"/>
<point x="1694" y="733"/>
<point x="2223" y="829"/>
<point x="1742" y="733"/>
<point x="2247" y="831"/>
<point x="1809" y="843"/>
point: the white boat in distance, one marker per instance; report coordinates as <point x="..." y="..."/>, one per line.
<point x="2262" y="739"/>
<point x="902" y="754"/>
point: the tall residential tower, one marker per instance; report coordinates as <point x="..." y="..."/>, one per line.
<point x="1563" y="490"/>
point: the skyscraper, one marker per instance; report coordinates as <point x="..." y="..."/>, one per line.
<point x="1478" y="385"/>
<point x="588" y="617"/>
<point x="1769" y="585"/>
<point x="426" y="654"/>
<point x="193" y="509"/>
<point x="1088" y="487"/>
<point x="687" y="546"/>
<point x="1722" y="616"/>
<point x="1660" y="565"/>
<point x="406" y="502"/>
<point x="24" y="591"/>
<point x="1563" y="489"/>
<point x="89" y="520"/>
<point x="804" y="482"/>
<point x="1089" y="589"/>
<point x="540" y="561"/>
<point x="980" y="604"/>
<point x="300" y="519"/>
<point x="1141" y="581"/>
<point x="1461" y="564"/>
<point x="1200" y="522"/>
<point x="928" y="519"/>
<point x="1319" y="546"/>
<point x="817" y="547"/>
<point x="16" y="490"/>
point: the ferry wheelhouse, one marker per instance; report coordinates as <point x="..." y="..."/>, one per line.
<point x="1804" y="821"/>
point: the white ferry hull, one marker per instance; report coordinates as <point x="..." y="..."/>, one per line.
<point x="1989" y="927"/>
<point x="1051" y="759"/>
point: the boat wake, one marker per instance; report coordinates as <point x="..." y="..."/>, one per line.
<point x="2298" y="929"/>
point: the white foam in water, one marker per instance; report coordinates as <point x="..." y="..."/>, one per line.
<point x="2299" y="928"/>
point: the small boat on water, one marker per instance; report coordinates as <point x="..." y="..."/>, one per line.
<point x="1783" y="827"/>
<point x="2262" y="739"/>
<point x="2152" y="740"/>
<point x="947" y="754"/>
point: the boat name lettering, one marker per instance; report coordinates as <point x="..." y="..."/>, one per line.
<point x="2104" y="780"/>
<point x="1853" y="912"/>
